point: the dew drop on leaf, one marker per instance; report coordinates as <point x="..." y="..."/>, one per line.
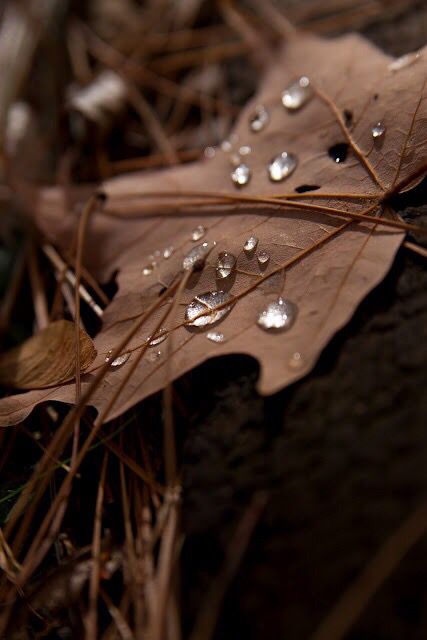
<point x="404" y="61"/>
<point x="196" y="257"/>
<point x="259" y="119"/>
<point x="241" y="175"/>
<point x="245" y="150"/>
<point x="338" y="152"/>
<point x="263" y="258"/>
<point x="209" y="152"/>
<point x="215" y="336"/>
<point x="198" y="233"/>
<point x="152" y="356"/>
<point x="203" y="309"/>
<point x="297" y="94"/>
<point x="296" y="361"/>
<point x="117" y="362"/>
<point x="168" y="252"/>
<point x="282" y="166"/>
<point x="160" y="336"/>
<point x="250" y="244"/>
<point x="278" y="316"/>
<point x="378" y="130"/>
<point x="225" y="265"/>
<point x="147" y="270"/>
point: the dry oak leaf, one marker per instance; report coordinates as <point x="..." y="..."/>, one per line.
<point x="46" y="359"/>
<point x="324" y="263"/>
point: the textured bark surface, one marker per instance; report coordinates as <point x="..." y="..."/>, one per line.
<point x="342" y="455"/>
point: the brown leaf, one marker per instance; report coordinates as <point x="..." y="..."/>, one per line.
<point x="322" y="262"/>
<point x="47" y="358"/>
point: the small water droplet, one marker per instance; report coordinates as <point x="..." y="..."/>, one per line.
<point x="338" y="152"/>
<point x="152" y="356"/>
<point x="215" y="336"/>
<point x="196" y="257"/>
<point x="198" y="233"/>
<point x="259" y="119"/>
<point x="296" y="361"/>
<point x="209" y="152"/>
<point x="225" y="264"/>
<point x="263" y="258"/>
<point x="378" y="130"/>
<point x="235" y="160"/>
<point x="241" y="175"/>
<point x="117" y="362"/>
<point x="168" y="252"/>
<point x="160" y="336"/>
<point x="297" y="94"/>
<point x="278" y="315"/>
<point x="148" y="269"/>
<point x="282" y="166"/>
<point x="404" y="61"/>
<point x="245" y="150"/>
<point x="202" y="310"/>
<point x="250" y="244"/>
<point x="226" y="146"/>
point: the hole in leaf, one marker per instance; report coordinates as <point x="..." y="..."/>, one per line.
<point x="348" y="118"/>
<point x="338" y="152"/>
<point x="303" y="188"/>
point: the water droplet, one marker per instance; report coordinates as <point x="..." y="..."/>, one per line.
<point x="209" y="152"/>
<point x="250" y="244"/>
<point x="198" y="233"/>
<point x="235" y="160"/>
<point x="278" y="315"/>
<point x="338" y="152"/>
<point x="245" y="150"/>
<point x="215" y="336"/>
<point x="117" y="362"/>
<point x="196" y="257"/>
<point x="282" y="166"/>
<point x="226" y="146"/>
<point x="225" y="264"/>
<point x="241" y="175"/>
<point x="263" y="258"/>
<point x="148" y="269"/>
<point x="378" y="130"/>
<point x="296" y="361"/>
<point x="404" y="61"/>
<point x="297" y="94"/>
<point x="152" y="356"/>
<point x="168" y="252"/>
<point x="202" y="310"/>
<point x="160" y="336"/>
<point x="259" y="119"/>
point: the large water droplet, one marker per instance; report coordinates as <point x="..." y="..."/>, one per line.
<point x="259" y="119"/>
<point x="378" y="130"/>
<point x="203" y="309"/>
<point x="160" y="336"/>
<point x="297" y="94"/>
<point x="198" y="233"/>
<point x="225" y="264"/>
<point x="196" y="257"/>
<point x="404" y="61"/>
<point x="263" y="258"/>
<point x="241" y="175"/>
<point x="117" y="362"/>
<point x="278" y="316"/>
<point x="250" y="244"/>
<point x="282" y="166"/>
<point x="215" y="336"/>
<point x="338" y="152"/>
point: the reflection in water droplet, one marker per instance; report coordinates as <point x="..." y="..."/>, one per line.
<point x="297" y="94"/>
<point x="263" y="258"/>
<point x="152" y="356"/>
<point x="159" y="337"/>
<point x="241" y="175"/>
<point x="250" y="244"/>
<point x="378" y="130"/>
<point x="195" y="258"/>
<point x="117" y="362"/>
<point x="209" y="152"/>
<point x="202" y="310"/>
<point x="168" y="252"/>
<point x="279" y="315"/>
<point x="338" y="152"/>
<point x="245" y="150"/>
<point x="215" y="336"/>
<point x="297" y="361"/>
<point x="148" y="269"/>
<point x="225" y="264"/>
<point x="198" y="233"/>
<point x="282" y="166"/>
<point x="259" y="119"/>
<point x="404" y="61"/>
